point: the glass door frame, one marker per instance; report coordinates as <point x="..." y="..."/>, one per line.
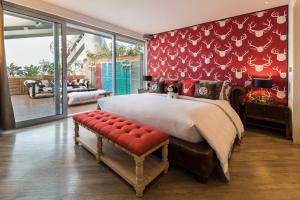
<point x="98" y="33"/>
<point x="15" y="8"/>
<point x="58" y="28"/>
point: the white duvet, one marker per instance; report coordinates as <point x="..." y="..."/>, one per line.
<point x="190" y="119"/>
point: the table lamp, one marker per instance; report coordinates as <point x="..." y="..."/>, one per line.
<point x="263" y="83"/>
<point x="147" y="79"/>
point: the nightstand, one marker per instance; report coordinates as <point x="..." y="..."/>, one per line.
<point x="275" y="117"/>
<point x="142" y="90"/>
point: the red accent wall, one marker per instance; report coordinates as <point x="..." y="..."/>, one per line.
<point x="233" y="50"/>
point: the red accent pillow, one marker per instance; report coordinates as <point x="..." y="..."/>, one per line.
<point x="188" y="88"/>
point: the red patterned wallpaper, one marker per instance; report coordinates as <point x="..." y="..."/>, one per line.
<point x="233" y="50"/>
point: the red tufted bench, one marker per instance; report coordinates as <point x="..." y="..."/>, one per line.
<point x="136" y="139"/>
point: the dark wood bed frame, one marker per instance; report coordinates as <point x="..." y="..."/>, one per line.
<point x="200" y="158"/>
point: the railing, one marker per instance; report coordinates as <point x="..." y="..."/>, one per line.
<point x="17" y="87"/>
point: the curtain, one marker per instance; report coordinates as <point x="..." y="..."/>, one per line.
<point x="7" y="118"/>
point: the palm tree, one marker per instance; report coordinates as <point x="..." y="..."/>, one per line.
<point x="46" y="67"/>
<point x="14" y="70"/>
<point x="32" y="70"/>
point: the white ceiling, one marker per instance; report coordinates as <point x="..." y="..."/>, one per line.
<point x="154" y="16"/>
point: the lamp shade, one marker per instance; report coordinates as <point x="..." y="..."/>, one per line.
<point x="262" y="83"/>
<point x="147" y="78"/>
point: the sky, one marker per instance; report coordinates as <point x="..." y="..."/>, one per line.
<point x="27" y="51"/>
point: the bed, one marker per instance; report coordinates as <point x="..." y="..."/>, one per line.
<point x="198" y="142"/>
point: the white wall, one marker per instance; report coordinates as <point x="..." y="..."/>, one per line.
<point x="45" y="7"/>
<point x="294" y="66"/>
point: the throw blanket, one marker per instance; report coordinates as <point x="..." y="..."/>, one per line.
<point x="187" y="118"/>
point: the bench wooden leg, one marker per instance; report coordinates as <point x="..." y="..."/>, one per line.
<point x="99" y="148"/>
<point x="165" y="156"/>
<point x="76" y="132"/>
<point x="139" y="172"/>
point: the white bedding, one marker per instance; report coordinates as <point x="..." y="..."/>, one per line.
<point x="190" y="119"/>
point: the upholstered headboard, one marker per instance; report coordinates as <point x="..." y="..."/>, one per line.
<point x="235" y="98"/>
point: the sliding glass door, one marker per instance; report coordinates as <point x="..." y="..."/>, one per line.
<point x="33" y="58"/>
<point x="129" y="65"/>
<point x="89" y="67"/>
<point x="58" y="67"/>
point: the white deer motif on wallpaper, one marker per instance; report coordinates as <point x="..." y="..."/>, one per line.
<point x="172" y="77"/>
<point x="223" y="53"/>
<point x="223" y="36"/>
<point x="163" y="49"/>
<point x="240" y="57"/>
<point x="207" y="30"/>
<point x="207" y="58"/>
<point x="194" y="28"/>
<point x="239" y="73"/>
<point x="261" y="32"/>
<point x="183" y="34"/>
<point x="183" y="59"/>
<point x="281" y="74"/>
<point x="281" y="94"/>
<point x="217" y="76"/>
<point x="182" y="47"/>
<point x="223" y="66"/>
<point x="281" y="56"/>
<point x="154" y="46"/>
<point x="261" y="67"/>
<point x="195" y="67"/>
<point x="164" y="72"/>
<point x="194" y="41"/>
<point x="155" y="57"/>
<point x="154" y="67"/>
<point x="173" y="67"/>
<point x="241" y="24"/>
<point x="195" y="53"/>
<point x="182" y="72"/>
<point x="260" y="14"/>
<point x="173" y="43"/>
<point x="239" y="42"/>
<point x="163" y="61"/>
<point x="222" y="23"/>
<point x="172" y="33"/>
<point x="194" y="79"/>
<point x="282" y="37"/>
<point x="162" y="38"/>
<point x="260" y="48"/>
<point x="208" y="44"/>
<point x="281" y="19"/>
<point x="173" y="54"/>
<point x="208" y="73"/>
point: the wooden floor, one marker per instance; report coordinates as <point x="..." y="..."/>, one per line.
<point x="43" y="163"/>
<point x="26" y="108"/>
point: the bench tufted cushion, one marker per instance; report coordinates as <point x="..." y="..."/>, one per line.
<point x="132" y="136"/>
